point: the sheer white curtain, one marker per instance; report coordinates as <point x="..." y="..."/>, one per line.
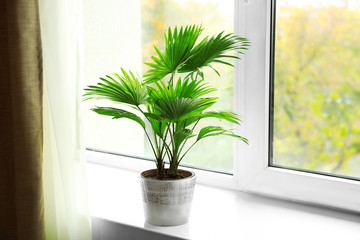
<point x="65" y="187"/>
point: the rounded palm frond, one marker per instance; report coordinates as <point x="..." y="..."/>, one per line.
<point x="175" y="109"/>
<point x="182" y="89"/>
<point x="182" y="101"/>
<point x="178" y="45"/>
<point x="119" y="113"/>
<point x="220" y="115"/>
<point x="211" y="131"/>
<point x="125" y="88"/>
<point x="182" y="55"/>
<point x="213" y="50"/>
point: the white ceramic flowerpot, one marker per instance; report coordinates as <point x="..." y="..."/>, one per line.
<point x="167" y="202"/>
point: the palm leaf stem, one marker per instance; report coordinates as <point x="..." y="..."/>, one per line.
<point x="162" y="146"/>
<point x="196" y="76"/>
<point x="172" y="78"/>
<point x="156" y="145"/>
<point x="167" y="151"/>
<point x="195" y="125"/>
<point x="172" y="142"/>
<point x="183" y="145"/>
<point x="187" y="151"/>
<point x="151" y="144"/>
<point x="173" y="135"/>
<point x="186" y="141"/>
<point x="165" y="146"/>
<point x="156" y="152"/>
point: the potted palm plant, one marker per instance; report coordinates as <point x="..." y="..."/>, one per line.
<point x="169" y="101"/>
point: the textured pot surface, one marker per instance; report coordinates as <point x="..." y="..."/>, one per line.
<point x="167" y="202"/>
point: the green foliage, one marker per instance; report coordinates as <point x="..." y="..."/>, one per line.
<point x="119" y="113"/>
<point x="317" y="87"/>
<point x="211" y="50"/>
<point x="211" y="131"/>
<point x="182" y="55"/>
<point x="126" y="89"/>
<point x="173" y="108"/>
<point x="178" y="46"/>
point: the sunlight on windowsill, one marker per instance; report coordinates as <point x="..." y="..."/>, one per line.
<point x="115" y="195"/>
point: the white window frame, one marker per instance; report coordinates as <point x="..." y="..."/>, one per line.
<point x="251" y="171"/>
<point x="254" y="171"/>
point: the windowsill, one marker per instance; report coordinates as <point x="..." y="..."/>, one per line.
<point x="115" y="195"/>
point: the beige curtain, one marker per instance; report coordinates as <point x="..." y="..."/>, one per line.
<point x="21" y="195"/>
<point x="42" y="169"/>
<point x="65" y="188"/>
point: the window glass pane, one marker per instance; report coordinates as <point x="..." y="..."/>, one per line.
<point x="122" y="34"/>
<point x="316" y="114"/>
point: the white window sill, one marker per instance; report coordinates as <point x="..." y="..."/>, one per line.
<point x="115" y="195"/>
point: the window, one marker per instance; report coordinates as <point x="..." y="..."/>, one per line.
<point x="256" y="174"/>
<point x="316" y="82"/>
<point x="251" y="167"/>
<point x="131" y="32"/>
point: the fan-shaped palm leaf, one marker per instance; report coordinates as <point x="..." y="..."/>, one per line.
<point x="178" y="45"/>
<point x="220" y="115"/>
<point x="125" y="88"/>
<point x="211" y="131"/>
<point x="182" y="55"/>
<point x="182" y="89"/>
<point x="191" y="89"/>
<point x="214" y="49"/>
<point x="176" y="109"/>
<point x="119" y="113"/>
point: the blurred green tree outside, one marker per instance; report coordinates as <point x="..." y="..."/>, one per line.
<point x="317" y="88"/>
